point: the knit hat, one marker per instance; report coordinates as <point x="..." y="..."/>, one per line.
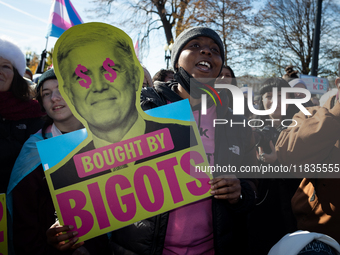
<point x="271" y="83"/>
<point x="12" y="53"/>
<point x="294" y="82"/>
<point x="48" y="75"/>
<point x="192" y="33"/>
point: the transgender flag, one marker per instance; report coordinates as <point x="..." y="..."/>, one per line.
<point x="62" y="17"/>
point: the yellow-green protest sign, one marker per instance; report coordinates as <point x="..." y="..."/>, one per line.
<point x="131" y="166"/>
<point x="3" y="226"/>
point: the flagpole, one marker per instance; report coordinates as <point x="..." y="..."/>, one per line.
<point x="46" y="42"/>
<point x="44" y="56"/>
<point x="42" y="62"/>
<point x="69" y="14"/>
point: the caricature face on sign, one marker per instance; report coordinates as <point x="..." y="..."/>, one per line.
<point x="107" y="89"/>
<point x="100" y="77"/>
<point x="131" y="166"/>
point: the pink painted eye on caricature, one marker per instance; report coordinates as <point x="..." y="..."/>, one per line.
<point x="86" y="84"/>
<point x="112" y="75"/>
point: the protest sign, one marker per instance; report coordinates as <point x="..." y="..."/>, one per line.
<point x="315" y="85"/>
<point x="3" y="226"/>
<point x="131" y="166"/>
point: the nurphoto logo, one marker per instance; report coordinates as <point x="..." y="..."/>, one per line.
<point x="238" y="104"/>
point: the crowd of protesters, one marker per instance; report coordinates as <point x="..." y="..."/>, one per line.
<point x="243" y="216"/>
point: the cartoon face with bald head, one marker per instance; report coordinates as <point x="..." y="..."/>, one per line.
<point x="101" y="76"/>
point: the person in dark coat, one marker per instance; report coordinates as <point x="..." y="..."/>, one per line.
<point x="20" y="115"/>
<point x="198" y="54"/>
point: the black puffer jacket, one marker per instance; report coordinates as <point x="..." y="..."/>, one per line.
<point x="229" y="221"/>
<point x="13" y="134"/>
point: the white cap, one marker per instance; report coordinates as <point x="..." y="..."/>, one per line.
<point x="10" y="51"/>
<point x="293" y="243"/>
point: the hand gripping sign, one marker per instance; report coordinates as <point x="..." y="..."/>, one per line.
<point x="131" y="166"/>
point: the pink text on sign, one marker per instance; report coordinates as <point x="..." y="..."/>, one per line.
<point x="124" y="152"/>
<point x="123" y="207"/>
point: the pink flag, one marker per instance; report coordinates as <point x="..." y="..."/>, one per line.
<point x="62" y="17"/>
<point x="137" y="48"/>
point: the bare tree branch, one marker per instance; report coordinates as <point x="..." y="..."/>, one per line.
<point x="287" y="30"/>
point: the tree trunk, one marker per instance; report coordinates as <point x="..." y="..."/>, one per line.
<point x="166" y="24"/>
